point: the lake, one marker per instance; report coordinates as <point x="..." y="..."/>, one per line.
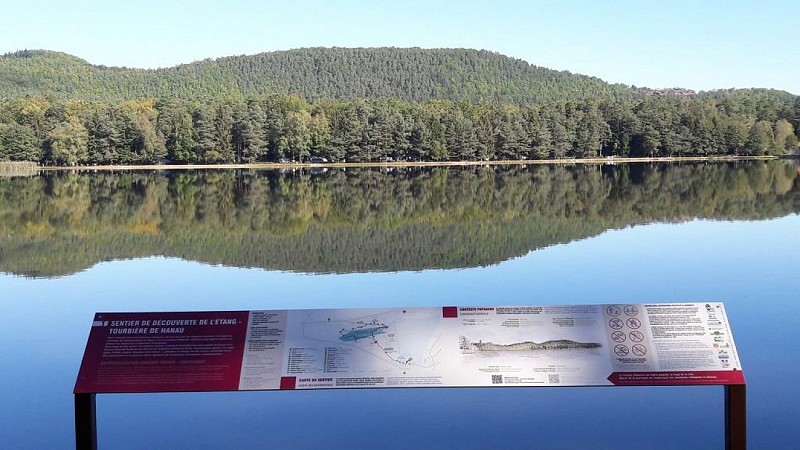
<point x="72" y="244"/>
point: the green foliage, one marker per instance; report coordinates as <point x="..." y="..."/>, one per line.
<point x="19" y="143"/>
<point x="761" y="138"/>
<point x="249" y="134"/>
<point x="67" y="143"/>
<point x="409" y="74"/>
<point x="297" y="141"/>
<point x="174" y="123"/>
<point x="361" y="105"/>
<point x="784" y="136"/>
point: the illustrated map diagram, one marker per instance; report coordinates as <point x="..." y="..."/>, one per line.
<point x="363" y="331"/>
<point x="405" y="339"/>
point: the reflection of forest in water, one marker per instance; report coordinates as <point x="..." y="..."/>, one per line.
<point x="367" y="219"/>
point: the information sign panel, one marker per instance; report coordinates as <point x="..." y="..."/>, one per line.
<point x="579" y="345"/>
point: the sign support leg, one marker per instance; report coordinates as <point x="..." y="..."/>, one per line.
<point x="85" y="422"/>
<point x="735" y="417"/>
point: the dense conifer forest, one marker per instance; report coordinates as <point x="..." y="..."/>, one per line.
<point x="408" y="74"/>
<point x="358" y="105"/>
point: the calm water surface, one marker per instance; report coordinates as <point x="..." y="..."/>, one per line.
<point x="73" y="244"/>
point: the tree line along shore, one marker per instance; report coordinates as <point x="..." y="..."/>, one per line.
<point x="366" y="105"/>
<point x="288" y="129"/>
<point x="22" y="168"/>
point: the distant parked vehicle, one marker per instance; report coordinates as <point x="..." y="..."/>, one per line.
<point x="318" y="160"/>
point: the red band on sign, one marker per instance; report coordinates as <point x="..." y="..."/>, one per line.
<point x="449" y="312"/>
<point x="677" y="378"/>
<point x="288" y="383"/>
<point x="163" y="352"/>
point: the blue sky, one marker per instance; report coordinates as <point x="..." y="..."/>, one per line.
<point x="695" y="44"/>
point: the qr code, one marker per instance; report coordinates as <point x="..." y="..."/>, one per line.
<point x="497" y="379"/>
<point x="553" y="377"/>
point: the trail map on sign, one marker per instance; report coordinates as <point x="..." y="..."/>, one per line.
<point x="390" y="341"/>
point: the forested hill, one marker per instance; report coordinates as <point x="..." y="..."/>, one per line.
<point x="409" y="74"/>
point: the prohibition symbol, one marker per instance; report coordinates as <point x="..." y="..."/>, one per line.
<point x="639" y="350"/>
<point x="616" y="323"/>
<point x="618" y="336"/>
<point x="631" y="310"/>
<point x="621" y="350"/>
<point x="636" y="336"/>
<point x="633" y="322"/>
<point x="613" y="310"/>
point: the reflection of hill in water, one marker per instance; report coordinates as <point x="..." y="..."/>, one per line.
<point x="363" y="220"/>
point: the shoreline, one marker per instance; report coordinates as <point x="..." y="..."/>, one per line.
<point x="519" y="162"/>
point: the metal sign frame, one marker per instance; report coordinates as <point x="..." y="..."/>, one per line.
<point x="735" y="419"/>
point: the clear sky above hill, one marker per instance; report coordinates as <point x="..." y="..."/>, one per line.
<point x="693" y="44"/>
